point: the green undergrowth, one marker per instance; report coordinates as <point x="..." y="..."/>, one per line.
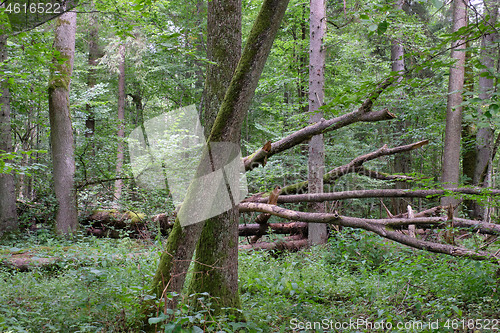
<point x="99" y="285"/>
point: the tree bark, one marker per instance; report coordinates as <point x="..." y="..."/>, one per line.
<point x="484" y="135"/>
<point x="401" y="161"/>
<point x="94" y="53"/>
<point x="175" y="261"/>
<point x="317" y="233"/>
<point x="8" y="216"/>
<point x="451" y="155"/>
<point x="61" y="131"/>
<point x="121" y="125"/>
<point x="216" y="267"/>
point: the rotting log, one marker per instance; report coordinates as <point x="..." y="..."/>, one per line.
<point x="292" y="228"/>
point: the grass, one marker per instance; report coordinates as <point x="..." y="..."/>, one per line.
<point x="97" y="286"/>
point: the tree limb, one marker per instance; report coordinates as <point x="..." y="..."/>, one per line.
<point x="377" y="226"/>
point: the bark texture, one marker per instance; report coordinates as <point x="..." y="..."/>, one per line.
<point x="175" y="261"/>
<point x="120" y="150"/>
<point x="317" y="30"/>
<point x="216" y="266"/>
<point x="8" y="216"/>
<point x="484" y="136"/>
<point x="61" y="131"/>
<point x="451" y="154"/>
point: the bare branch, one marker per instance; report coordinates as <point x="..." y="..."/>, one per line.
<point x="377" y="226"/>
<point x="383" y="193"/>
<point x="356" y="166"/>
<point x="363" y="114"/>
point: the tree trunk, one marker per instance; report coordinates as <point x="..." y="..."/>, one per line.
<point x="94" y="53"/>
<point x="317" y="25"/>
<point x="451" y="155"/>
<point x="61" y="131"/>
<point x="401" y="161"/>
<point x="484" y="135"/>
<point x="121" y="125"/>
<point x="175" y="261"/>
<point x="216" y="265"/>
<point x="8" y="216"/>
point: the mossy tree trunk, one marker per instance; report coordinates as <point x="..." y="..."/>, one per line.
<point x="8" y="216"/>
<point x="216" y="266"/>
<point x="181" y="243"/>
<point x="61" y="130"/>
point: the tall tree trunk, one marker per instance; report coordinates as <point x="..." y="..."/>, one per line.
<point x="317" y="29"/>
<point x="61" y="131"/>
<point x="451" y="154"/>
<point x="485" y="134"/>
<point x="401" y="161"/>
<point x="175" y="261"/>
<point x="94" y="53"/>
<point x="8" y="216"/>
<point x="216" y="265"/>
<point x="121" y="125"/>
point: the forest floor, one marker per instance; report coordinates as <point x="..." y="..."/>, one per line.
<point x="356" y="283"/>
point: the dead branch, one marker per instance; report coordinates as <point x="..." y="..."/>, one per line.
<point x="292" y="228"/>
<point x="356" y="166"/>
<point x="377" y="226"/>
<point x="293" y="245"/>
<point x="382" y="193"/>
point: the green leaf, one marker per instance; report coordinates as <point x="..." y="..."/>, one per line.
<point x="382" y="27"/>
<point x="364" y="17"/>
<point x="373" y="27"/>
<point x="494" y="108"/>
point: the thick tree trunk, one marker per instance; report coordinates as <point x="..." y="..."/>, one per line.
<point x="451" y="155"/>
<point x="61" y="131"/>
<point x="484" y="135"/>
<point x="175" y="260"/>
<point x="121" y="125"/>
<point x="216" y="267"/>
<point x="317" y="30"/>
<point x="8" y="216"/>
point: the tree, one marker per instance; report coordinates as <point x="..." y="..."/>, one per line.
<point x="484" y="134"/>
<point x="8" y="216"/>
<point x="61" y="130"/>
<point x="401" y="161"/>
<point x="317" y="30"/>
<point x="121" y="122"/>
<point x="451" y="154"/>
<point x="216" y="264"/>
<point x="175" y="261"/>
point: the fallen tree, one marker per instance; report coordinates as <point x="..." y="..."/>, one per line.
<point x="385" y="228"/>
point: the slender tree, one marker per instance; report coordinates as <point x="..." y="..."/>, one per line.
<point x="401" y="161"/>
<point x="121" y="123"/>
<point x="61" y="130"/>
<point x="8" y="216"/>
<point x="484" y="135"/>
<point x="451" y="155"/>
<point x="317" y="30"/>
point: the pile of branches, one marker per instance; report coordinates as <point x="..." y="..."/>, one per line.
<point x="410" y="228"/>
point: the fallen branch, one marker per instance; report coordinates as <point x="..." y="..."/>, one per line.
<point x="382" y="193"/>
<point x="379" y="227"/>
<point x="292" y="228"/>
<point x="356" y="166"/>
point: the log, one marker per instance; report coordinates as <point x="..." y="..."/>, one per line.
<point x="292" y="228"/>
<point x="294" y="245"/>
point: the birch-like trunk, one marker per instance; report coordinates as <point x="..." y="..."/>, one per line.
<point x="121" y="125"/>
<point x="317" y="28"/>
